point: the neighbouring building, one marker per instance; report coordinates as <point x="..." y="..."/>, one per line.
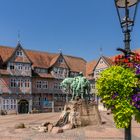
<point x="93" y="70"/>
<point x="31" y="79"/>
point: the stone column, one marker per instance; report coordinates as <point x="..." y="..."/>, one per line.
<point x="52" y="106"/>
<point x="17" y="105"/>
<point x="30" y="105"/>
<point x="1" y="103"/>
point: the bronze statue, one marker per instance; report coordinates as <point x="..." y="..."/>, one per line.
<point x="78" y="85"/>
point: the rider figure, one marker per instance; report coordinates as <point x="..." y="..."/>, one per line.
<point x="79" y="83"/>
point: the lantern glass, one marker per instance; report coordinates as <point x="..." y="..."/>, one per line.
<point x="122" y="3"/>
<point x="126" y="10"/>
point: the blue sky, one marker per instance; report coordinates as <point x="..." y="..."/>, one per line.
<point x="78" y="27"/>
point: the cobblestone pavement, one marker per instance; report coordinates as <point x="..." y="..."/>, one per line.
<point x="106" y="131"/>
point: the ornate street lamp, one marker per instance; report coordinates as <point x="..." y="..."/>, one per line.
<point x="126" y="10"/>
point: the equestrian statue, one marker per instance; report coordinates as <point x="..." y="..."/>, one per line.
<point x="79" y="86"/>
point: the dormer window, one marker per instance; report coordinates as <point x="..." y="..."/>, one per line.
<point x="19" y="53"/>
<point x="101" y="61"/>
<point x="61" y="60"/>
<point x="11" y="66"/>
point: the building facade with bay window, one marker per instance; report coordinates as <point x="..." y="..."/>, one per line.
<point x="30" y="80"/>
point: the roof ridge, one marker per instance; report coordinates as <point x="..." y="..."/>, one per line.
<point x="91" y="61"/>
<point x="39" y="51"/>
<point x="12" y="47"/>
<point x="44" y="52"/>
<point x="75" y="57"/>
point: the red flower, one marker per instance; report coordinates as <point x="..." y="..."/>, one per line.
<point x="126" y="60"/>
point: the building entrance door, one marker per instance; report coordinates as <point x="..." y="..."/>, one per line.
<point x="23" y="106"/>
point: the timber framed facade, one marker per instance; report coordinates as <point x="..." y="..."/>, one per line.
<point x="30" y="80"/>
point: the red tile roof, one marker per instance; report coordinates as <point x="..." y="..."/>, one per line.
<point x="76" y="64"/>
<point x="109" y="60"/>
<point x="54" y="59"/>
<point x="6" y="52"/>
<point x="90" y="66"/>
<point x="45" y="59"/>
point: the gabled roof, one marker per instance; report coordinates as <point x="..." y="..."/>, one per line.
<point x="39" y="59"/>
<point x="45" y="59"/>
<point x="1" y="61"/>
<point x="76" y="64"/>
<point x="18" y="59"/>
<point x="54" y="60"/>
<point x="6" y="52"/>
<point x="90" y="67"/>
<point x="108" y="60"/>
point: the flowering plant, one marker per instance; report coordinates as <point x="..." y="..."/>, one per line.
<point x="115" y="87"/>
<point x="136" y="101"/>
<point x="118" y="86"/>
<point x="131" y="61"/>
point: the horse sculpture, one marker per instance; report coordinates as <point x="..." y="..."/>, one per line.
<point x="84" y="87"/>
<point x="79" y="86"/>
<point x="69" y="84"/>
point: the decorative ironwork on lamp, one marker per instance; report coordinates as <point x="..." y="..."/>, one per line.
<point x="126" y="10"/>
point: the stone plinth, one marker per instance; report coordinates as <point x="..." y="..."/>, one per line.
<point x="79" y="113"/>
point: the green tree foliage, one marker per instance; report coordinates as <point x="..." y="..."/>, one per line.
<point x="115" y="87"/>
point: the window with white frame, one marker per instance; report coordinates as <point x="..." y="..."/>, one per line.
<point x="55" y="85"/>
<point x="101" y="61"/>
<point x="9" y="104"/>
<point x="97" y="72"/>
<point x="61" y="70"/>
<point x="27" y="67"/>
<point x="65" y="72"/>
<point x="19" y="53"/>
<point x="19" y="66"/>
<point x="38" y="84"/>
<point x="41" y="70"/>
<point x="27" y="83"/>
<point x="11" y="66"/>
<point x="60" y="60"/>
<point x="13" y="83"/>
<point x="44" y="84"/>
<point x="55" y="70"/>
<point x="59" y="86"/>
<point x="20" y="83"/>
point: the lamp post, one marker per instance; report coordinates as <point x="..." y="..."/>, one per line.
<point x="126" y="10"/>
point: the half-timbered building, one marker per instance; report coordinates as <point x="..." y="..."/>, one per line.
<point x="30" y="80"/>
